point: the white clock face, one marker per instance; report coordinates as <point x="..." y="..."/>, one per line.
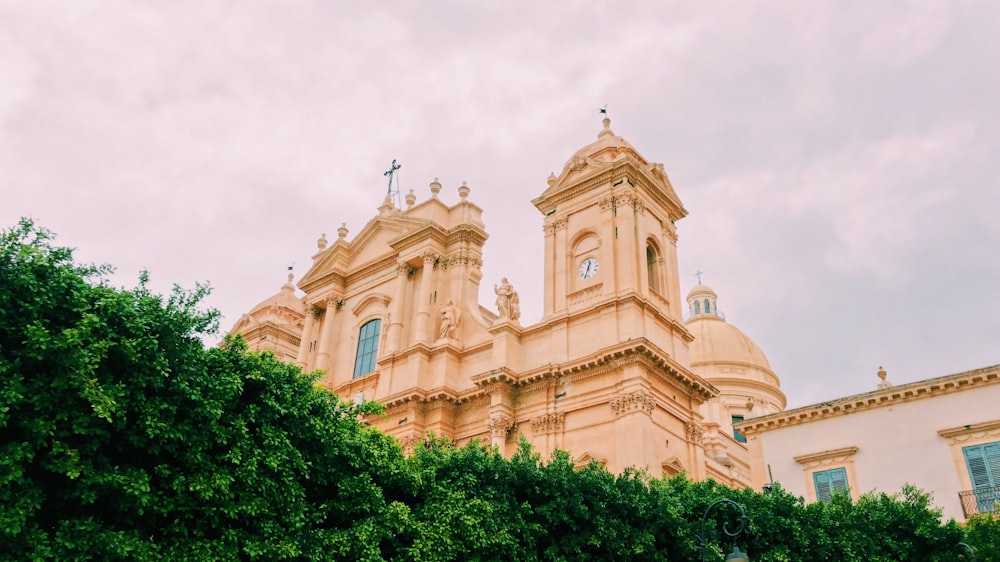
<point x="588" y="268"/>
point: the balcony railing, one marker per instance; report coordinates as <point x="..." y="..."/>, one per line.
<point x="980" y="500"/>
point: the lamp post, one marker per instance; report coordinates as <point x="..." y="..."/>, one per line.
<point x="967" y="548"/>
<point x="735" y="555"/>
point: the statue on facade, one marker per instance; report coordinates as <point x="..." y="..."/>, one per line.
<point x="449" y="320"/>
<point x="508" y="302"/>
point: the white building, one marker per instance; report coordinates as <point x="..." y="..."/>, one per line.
<point x="941" y="435"/>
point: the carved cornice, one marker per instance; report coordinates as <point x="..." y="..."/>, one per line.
<point x="548" y="423"/>
<point x="891" y="396"/>
<point x="977" y="431"/>
<point x="826" y="458"/>
<point x="429" y="257"/>
<point x="637" y="401"/>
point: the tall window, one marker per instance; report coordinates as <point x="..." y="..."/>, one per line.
<point x="829" y="481"/>
<point x="983" y="462"/>
<point x="708" y="307"/>
<point x="697" y="307"/>
<point x="652" y="261"/>
<point x="364" y="361"/>
<point x="736" y="433"/>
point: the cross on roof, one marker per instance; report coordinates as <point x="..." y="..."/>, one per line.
<point x="389" y="173"/>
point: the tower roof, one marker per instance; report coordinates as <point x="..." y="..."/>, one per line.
<point x="285" y="298"/>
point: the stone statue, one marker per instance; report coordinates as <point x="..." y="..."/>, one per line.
<point x="508" y="302"/>
<point x="449" y="320"/>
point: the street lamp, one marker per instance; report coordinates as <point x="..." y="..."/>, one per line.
<point x="972" y="553"/>
<point x="735" y="555"/>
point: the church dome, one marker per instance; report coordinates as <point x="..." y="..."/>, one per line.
<point x="608" y="147"/>
<point x="726" y="357"/>
<point x="285" y="299"/>
<point x="717" y="341"/>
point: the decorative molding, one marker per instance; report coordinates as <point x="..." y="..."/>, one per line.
<point x="549" y="423"/>
<point x="976" y="431"/>
<point x="429" y="257"/>
<point x="825" y="458"/>
<point x="637" y="401"/>
<point x="584" y="294"/>
<point x="694" y="432"/>
<point x="606" y="203"/>
<point x="559" y="224"/>
<point x="499" y="426"/>
<point x="891" y="396"/>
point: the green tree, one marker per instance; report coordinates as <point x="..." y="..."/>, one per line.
<point x="122" y="437"/>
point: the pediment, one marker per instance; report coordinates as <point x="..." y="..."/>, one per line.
<point x="672" y="466"/>
<point x="587" y="457"/>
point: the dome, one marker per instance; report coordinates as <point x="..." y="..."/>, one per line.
<point x="285" y="299"/>
<point x="606" y="148"/>
<point x="717" y="341"/>
<point x="726" y="357"/>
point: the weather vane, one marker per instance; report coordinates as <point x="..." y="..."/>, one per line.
<point x="604" y="109"/>
<point x="391" y="173"/>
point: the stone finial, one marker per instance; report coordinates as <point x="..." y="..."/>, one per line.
<point x="435" y="188"/>
<point x="321" y="243"/>
<point x="884" y="383"/>
<point x="463" y="191"/>
<point x="342" y="231"/>
<point x="552" y="179"/>
<point x="411" y="199"/>
<point x="607" y="128"/>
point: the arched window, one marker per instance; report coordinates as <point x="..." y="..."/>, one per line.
<point x="364" y="361"/>
<point x="652" y="260"/>
<point x="708" y="307"/>
<point x="697" y="307"/>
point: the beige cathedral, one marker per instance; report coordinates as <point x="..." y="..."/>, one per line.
<point x="611" y="373"/>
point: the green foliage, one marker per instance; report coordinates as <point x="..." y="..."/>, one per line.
<point x="983" y="535"/>
<point x="122" y="437"/>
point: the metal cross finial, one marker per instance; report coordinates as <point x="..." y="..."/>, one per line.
<point x="698" y="274"/>
<point x="390" y="172"/>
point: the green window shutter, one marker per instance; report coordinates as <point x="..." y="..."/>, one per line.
<point x="979" y="460"/>
<point x="829" y="481"/>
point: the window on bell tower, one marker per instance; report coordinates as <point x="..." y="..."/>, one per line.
<point x="652" y="260"/>
<point x="697" y="307"/>
<point x="708" y="307"/>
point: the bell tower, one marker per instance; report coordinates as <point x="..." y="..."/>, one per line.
<point x="609" y="230"/>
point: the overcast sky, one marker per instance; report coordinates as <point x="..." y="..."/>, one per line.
<point x="839" y="160"/>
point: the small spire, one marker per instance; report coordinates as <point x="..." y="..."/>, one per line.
<point x="410" y="199"/>
<point x="463" y="191"/>
<point x="342" y="231"/>
<point x="552" y="179"/>
<point x="321" y="243"/>
<point x="606" y="121"/>
<point x="435" y="188"/>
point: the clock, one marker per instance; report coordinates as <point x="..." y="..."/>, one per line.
<point x="588" y="268"/>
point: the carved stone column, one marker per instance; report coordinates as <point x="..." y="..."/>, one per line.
<point x="307" y="328"/>
<point x="327" y="333"/>
<point x="392" y="342"/>
<point x="424" y="296"/>
<point x="499" y="426"/>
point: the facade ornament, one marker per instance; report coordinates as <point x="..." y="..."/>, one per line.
<point x="463" y="191"/>
<point x="637" y="401"/>
<point x="559" y="224"/>
<point x="508" y="301"/>
<point x="548" y="423"/>
<point x="429" y="257"/>
<point x="321" y="243"/>
<point x="694" y="431"/>
<point x="341" y="232"/>
<point x="449" y="320"/>
<point x="499" y="426"/>
<point x="884" y="384"/>
<point x="411" y="199"/>
<point x="552" y="179"/>
<point x="409" y="440"/>
<point x="435" y="188"/>
<point x="606" y="203"/>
